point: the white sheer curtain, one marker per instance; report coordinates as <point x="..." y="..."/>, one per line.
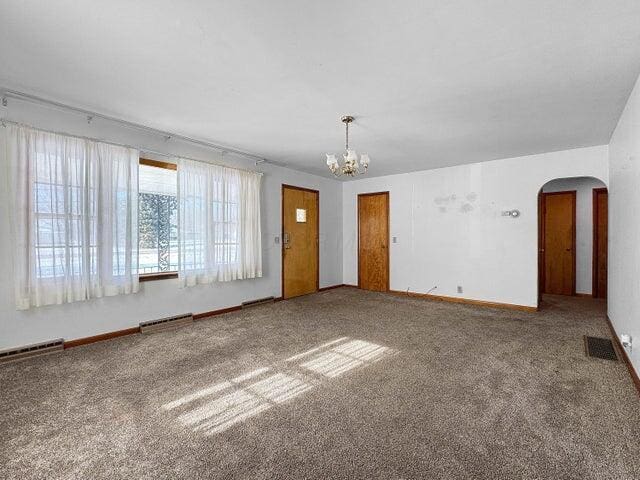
<point x="218" y="223"/>
<point x="75" y="217"/>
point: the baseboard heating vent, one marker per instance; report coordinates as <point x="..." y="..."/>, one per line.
<point x="166" y="323"/>
<point x="19" y="353"/>
<point x="259" y="301"/>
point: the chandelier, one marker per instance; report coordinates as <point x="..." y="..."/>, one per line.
<point x="351" y="165"/>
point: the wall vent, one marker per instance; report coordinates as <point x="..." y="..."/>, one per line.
<point x="259" y="301"/>
<point x="19" y="353"/>
<point x="166" y="323"/>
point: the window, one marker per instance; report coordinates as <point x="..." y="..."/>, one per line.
<point x="66" y="222"/>
<point x="219" y="229"/>
<point x="157" y="218"/>
<point x="225" y="223"/>
<point x="58" y="227"/>
<point x="75" y="235"/>
<point x="158" y="223"/>
<point x="211" y="235"/>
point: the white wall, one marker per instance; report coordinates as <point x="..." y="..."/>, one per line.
<point x="624" y="225"/>
<point x="159" y="298"/>
<point x="447" y="222"/>
<point x="584" y="225"/>
<point x="450" y="230"/>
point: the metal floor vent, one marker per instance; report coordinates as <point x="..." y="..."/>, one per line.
<point x="600" y="348"/>
<point x="19" y="353"/>
<point x="259" y="301"/>
<point x="166" y="323"/>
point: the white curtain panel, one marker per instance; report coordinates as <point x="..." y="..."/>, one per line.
<point x="218" y="223"/>
<point x="75" y="217"/>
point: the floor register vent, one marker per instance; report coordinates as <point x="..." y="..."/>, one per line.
<point x="259" y="301"/>
<point x="19" y="353"/>
<point x="166" y="323"/>
<point x="600" y="348"/>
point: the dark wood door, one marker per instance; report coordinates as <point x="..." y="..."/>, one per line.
<point x="559" y="210"/>
<point x="600" y="226"/>
<point x="373" y="241"/>
<point x="300" y="249"/>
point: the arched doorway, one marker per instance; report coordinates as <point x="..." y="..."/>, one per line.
<point x="572" y="237"/>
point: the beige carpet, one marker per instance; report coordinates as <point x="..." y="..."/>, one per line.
<point x="341" y="384"/>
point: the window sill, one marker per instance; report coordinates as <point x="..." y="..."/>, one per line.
<point x="149" y="277"/>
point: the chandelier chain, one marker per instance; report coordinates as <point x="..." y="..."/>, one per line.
<point x="347" y="136"/>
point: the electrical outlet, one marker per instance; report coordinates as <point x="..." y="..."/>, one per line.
<point x="395" y="240"/>
<point x="459" y="288"/>
<point x="276" y="239"/>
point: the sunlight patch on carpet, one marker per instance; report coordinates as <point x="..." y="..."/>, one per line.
<point x="216" y="408"/>
<point x="345" y="357"/>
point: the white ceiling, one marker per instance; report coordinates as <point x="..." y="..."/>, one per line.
<point x="431" y="83"/>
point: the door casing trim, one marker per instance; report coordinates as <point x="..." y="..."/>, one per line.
<point x="594" y="254"/>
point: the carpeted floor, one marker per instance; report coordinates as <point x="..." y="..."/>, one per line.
<point x="341" y="384"/>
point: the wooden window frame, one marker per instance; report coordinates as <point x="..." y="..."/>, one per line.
<point x="149" y="277"/>
<point x="158" y="164"/>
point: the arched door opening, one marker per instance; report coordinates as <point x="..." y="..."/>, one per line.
<point x="572" y="238"/>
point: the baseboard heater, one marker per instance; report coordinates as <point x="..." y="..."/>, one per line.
<point x="259" y="301"/>
<point x="166" y="323"/>
<point x="20" y="353"/>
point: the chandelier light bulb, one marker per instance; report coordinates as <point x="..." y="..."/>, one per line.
<point x="351" y="156"/>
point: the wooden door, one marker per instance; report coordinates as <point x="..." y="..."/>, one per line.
<point x="373" y="241"/>
<point x="600" y="225"/>
<point x="300" y="249"/>
<point x="559" y="243"/>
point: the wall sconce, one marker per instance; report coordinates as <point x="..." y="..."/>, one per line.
<point x="511" y="213"/>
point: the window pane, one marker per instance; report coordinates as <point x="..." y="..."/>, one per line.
<point x="158" y="220"/>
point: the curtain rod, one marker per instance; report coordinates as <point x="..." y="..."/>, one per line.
<point x="7" y="93"/>
<point x="4" y="121"/>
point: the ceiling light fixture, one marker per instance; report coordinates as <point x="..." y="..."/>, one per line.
<point x="351" y="165"/>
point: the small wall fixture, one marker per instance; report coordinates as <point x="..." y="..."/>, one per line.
<point x="511" y="213"/>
